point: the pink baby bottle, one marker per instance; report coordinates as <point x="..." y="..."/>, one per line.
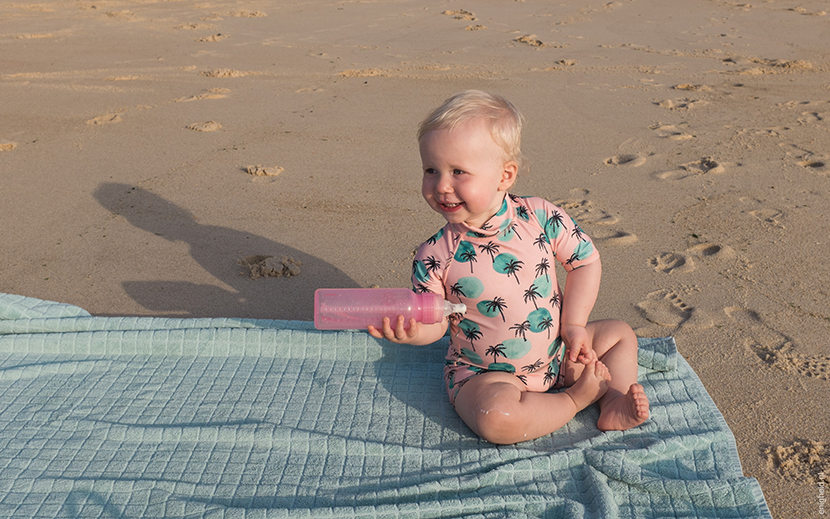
<point x="357" y="308"/>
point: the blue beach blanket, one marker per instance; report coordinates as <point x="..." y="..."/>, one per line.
<point x="157" y="417"/>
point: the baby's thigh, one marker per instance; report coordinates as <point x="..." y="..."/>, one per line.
<point x="606" y="334"/>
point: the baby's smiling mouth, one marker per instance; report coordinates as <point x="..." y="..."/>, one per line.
<point x="450" y="206"/>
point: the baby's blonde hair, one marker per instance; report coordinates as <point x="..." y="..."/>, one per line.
<point x="503" y="119"/>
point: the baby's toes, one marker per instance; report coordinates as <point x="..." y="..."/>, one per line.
<point x="602" y="371"/>
<point x="641" y="404"/>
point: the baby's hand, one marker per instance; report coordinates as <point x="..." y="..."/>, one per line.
<point x="399" y="334"/>
<point x="578" y="343"/>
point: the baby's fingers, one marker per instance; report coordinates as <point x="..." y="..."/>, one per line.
<point x="587" y="355"/>
<point x="397" y="333"/>
<point x="374" y="332"/>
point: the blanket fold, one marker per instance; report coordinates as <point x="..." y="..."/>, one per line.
<point x="157" y="417"/>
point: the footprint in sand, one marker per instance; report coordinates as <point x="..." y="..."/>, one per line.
<point x="209" y="126"/>
<point x="532" y="41"/>
<point x="7" y="145"/>
<point x="269" y="266"/>
<point x="670" y="132"/>
<point x="672" y="263"/>
<point x="775" y="348"/>
<point x="810" y="117"/>
<point x="196" y="26"/>
<point x="226" y="72"/>
<point x="804" y="461"/>
<point x="711" y="250"/>
<point x="586" y="212"/>
<point x="807" y="159"/>
<point x="680" y="263"/>
<point x="625" y="160"/>
<point x="815" y="165"/>
<point x="692" y="169"/>
<point x="213" y="37"/>
<point x="264" y="171"/>
<point x="247" y="14"/>
<point x="768" y="216"/>
<point x="213" y="93"/>
<point x="665" y="308"/>
<point x="613" y="237"/>
<point x="105" y="119"/>
<point x="679" y="104"/>
<point x="460" y="14"/>
<point x="692" y="87"/>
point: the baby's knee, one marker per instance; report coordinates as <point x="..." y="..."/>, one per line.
<point x="496" y="413"/>
<point x="613" y="333"/>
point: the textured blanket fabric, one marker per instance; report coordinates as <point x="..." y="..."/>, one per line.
<point x="156" y="417"/>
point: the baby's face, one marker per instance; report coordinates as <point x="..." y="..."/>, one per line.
<point x="465" y="173"/>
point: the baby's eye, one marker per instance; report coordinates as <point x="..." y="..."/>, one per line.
<point x="430" y="171"/>
<point x="457" y="171"/>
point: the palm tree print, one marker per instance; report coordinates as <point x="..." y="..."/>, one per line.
<point x="495" y="351"/>
<point x="466" y="252"/>
<point x="531" y="294"/>
<point x="497" y="303"/>
<point x="556" y="300"/>
<point x="577" y="233"/>
<point x="469" y="255"/>
<point x="522" y="213"/>
<point x="520" y="329"/>
<point x="457" y="290"/>
<point x="542" y="242"/>
<point x="574" y="257"/>
<point x="523" y="378"/>
<point x="542" y="268"/>
<point x="491" y="249"/>
<point x="549" y="375"/>
<point x="512" y="230"/>
<point x="472" y="335"/>
<point x="432" y="264"/>
<point x="531" y="368"/>
<point x="555" y="220"/>
<point x="546" y="324"/>
<point x="420" y="288"/>
<point x="513" y="267"/>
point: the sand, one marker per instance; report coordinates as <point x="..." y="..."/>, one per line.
<point x="691" y="139"/>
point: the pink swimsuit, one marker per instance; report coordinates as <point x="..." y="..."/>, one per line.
<point x="504" y="274"/>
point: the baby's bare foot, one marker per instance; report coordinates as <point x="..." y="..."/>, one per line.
<point x="591" y="385"/>
<point x="625" y="411"/>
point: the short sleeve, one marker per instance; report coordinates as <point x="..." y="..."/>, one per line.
<point x="571" y="246"/>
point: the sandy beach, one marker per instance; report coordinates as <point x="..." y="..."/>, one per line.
<point x="225" y="159"/>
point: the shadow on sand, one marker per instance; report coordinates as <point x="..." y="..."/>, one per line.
<point x="217" y="250"/>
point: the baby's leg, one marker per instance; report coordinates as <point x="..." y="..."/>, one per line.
<point x="498" y="407"/>
<point x="625" y="404"/>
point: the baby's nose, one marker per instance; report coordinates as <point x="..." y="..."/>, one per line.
<point x="444" y="185"/>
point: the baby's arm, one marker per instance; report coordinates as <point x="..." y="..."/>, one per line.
<point x="581" y="289"/>
<point x="418" y="334"/>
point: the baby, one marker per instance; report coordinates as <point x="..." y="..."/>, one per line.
<point x="521" y="335"/>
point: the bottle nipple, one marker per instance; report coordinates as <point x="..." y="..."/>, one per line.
<point x="454" y="308"/>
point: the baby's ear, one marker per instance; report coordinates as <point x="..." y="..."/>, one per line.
<point x="508" y="176"/>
